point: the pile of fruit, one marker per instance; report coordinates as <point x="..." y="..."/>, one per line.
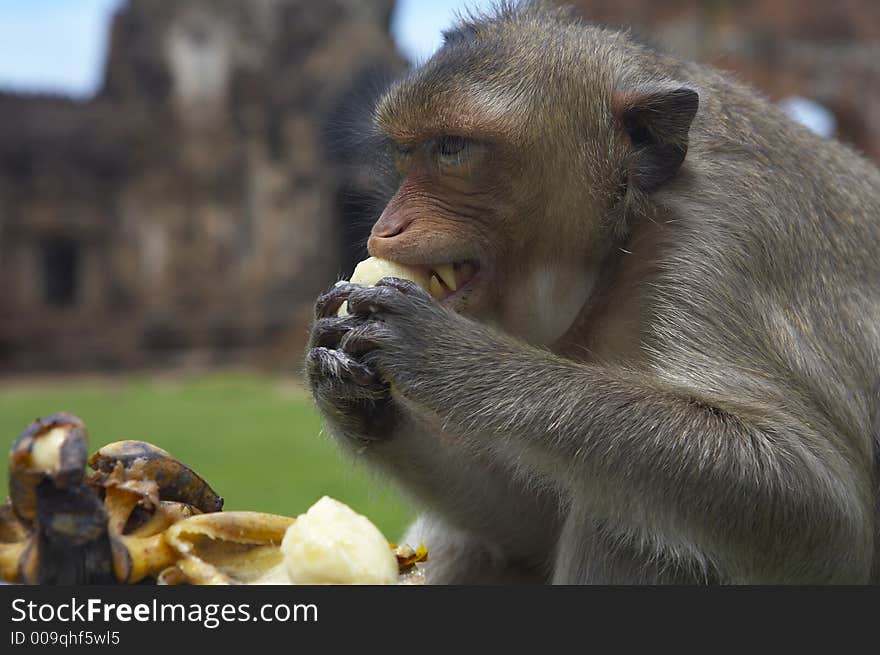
<point x="132" y="513"/>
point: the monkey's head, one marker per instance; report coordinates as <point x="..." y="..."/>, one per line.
<point x="518" y="148"/>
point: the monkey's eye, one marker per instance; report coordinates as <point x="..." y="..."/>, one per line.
<point x="449" y="146"/>
<point x="453" y="150"/>
<point x="401" y="154"/>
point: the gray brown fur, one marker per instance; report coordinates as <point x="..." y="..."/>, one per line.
<point x="713" y="413"/>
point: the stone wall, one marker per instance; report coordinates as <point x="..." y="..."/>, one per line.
<point x="191" y="212"/>
<point x="828" y="52"/>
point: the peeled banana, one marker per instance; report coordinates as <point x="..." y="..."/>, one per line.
<point x="332" y="544"/>
<point x="373" y="269"/>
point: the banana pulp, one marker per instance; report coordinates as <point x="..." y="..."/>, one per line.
<point x="46" y="451"/>
<point x="333" y="544"/>
<point x="373" y="269"/>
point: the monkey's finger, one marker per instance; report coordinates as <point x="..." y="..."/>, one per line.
<point x="327" y="332"/>
<point x="327" y="363"/>
<point x="329" y="303"/>
<point x="364" y="338"/>
<point x="369" y="301"/>
<point x="406" y="287"/>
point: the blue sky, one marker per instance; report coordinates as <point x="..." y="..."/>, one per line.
<point x="58" y="46"/>
<point x="417" y="24"/>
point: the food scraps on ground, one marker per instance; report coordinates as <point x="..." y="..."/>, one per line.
<point x="141" y="515"/>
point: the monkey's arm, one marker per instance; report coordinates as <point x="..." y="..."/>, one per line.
<point x="509" y="520"/>
<point x="760" y="493"/>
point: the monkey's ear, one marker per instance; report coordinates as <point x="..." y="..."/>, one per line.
<point x="657" y="122"/>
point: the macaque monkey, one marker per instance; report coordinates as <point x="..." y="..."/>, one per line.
<point x="656" y="354"/>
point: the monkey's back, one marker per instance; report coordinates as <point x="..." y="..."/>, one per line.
<point x="772" y="266"/>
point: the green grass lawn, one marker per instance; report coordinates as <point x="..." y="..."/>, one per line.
<point x="255" y="439"/>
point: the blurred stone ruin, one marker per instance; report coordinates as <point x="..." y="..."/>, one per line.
<point x="190" y="212"/>
<point x="824" y="52"/>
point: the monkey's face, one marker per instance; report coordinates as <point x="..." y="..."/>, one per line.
<point x="507" y="171"/>
<point x="465" y="214"/>
<point x="474" y="214"/>
<point x="443" y="219"/>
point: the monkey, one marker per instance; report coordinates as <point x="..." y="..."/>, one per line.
<point x="658" y="361"/>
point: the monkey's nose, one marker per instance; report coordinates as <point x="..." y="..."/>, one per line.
<point x="387" y="231"/>
<point x="390" y="224"/>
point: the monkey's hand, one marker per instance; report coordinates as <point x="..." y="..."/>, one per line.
<point x="349" y="393"/>
<point x="422" y="348"/>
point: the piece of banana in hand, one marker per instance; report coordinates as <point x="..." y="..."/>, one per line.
<point x="373" y="269"/>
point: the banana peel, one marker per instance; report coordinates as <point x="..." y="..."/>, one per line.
<point x="14" y="539"/>
<point x="145" y="462"/>
<point x="54" y="525"/>
<point x="64" y="525"/>
<point x="51" y="449"/>
<point x="228" y="548"/>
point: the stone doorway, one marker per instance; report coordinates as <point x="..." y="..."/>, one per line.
<point x="60" y="263"/>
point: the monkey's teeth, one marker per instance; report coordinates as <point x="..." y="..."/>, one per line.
<point x="435" y="288"/>
<point x="446" y="272"/>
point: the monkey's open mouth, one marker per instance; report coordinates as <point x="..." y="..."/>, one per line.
<point x="449" y="280"/>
